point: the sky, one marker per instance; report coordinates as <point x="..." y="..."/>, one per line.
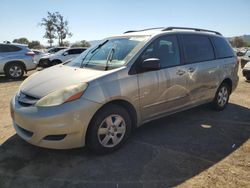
<point x="97" y="19"/>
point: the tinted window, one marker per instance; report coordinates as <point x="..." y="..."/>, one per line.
<point x="223" y="48"/>
<point x="166" y="49"/>
<point x="197" y="48"/>
<point x="76" y="51"/>
<point x="9" y="48"/>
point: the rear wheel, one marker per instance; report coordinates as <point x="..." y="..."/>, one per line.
<point x="14" y="70"/>
<point x="221" y="97"/>
<point x="109" y="129"/>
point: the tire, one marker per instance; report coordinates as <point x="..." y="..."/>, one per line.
<point x="14" y="70"/>
<point x="221" y="97"/>
<point x="103" y="136"/>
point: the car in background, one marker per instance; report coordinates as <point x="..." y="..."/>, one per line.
<point x="60" y="57"/>
<point x="55" y="49"/>
<point x="245" y="58"/>
<point x="246" y="71"/>
<point x="38" y="54"/>
<point x="15" y="59"/>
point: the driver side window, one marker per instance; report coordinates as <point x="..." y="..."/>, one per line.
<point x="165" y="49"/>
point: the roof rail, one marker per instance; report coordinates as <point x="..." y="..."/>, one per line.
<point x="194" y="29"/>
<point x="131" y="31"/>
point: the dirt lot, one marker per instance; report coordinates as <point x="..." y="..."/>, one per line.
<point x="195" y="148"/>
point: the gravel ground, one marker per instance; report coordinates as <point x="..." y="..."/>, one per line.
<point x="194" y="148"/>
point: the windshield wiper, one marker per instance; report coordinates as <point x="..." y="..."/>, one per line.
<point x="109" y="58"/>
<point x="99" y="46"/>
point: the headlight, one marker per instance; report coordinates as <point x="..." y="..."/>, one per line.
<point x="61" y="96"/>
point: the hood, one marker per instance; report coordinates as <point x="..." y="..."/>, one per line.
<point x="247" y="66"/>
<point x="57" y="77"/>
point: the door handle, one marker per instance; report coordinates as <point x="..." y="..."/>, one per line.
<point x="191" y="69"/>
<point x="180" y="72"/>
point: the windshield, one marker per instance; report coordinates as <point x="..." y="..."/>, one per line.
<point x="111" y="53"/>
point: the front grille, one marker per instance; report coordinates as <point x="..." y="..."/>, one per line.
<point x="26" y="100"/>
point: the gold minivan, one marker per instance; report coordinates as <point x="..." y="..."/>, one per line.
<point x="125" y="81"/>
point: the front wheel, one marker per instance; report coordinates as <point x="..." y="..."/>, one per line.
<point x="109" y="129"/>
<point x="221" y="97"/>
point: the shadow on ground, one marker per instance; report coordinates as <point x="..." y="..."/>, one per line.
<point x="163" y="153"/>
<point x="5" y="79"/>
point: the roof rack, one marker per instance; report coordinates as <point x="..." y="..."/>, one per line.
<point x="131" y="31"/>
<point x="188" y="28"/>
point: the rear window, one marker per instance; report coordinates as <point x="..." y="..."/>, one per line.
<point x="9" y="48"/>
<point x="223" y="48"/>
<point x="197" y="48"/>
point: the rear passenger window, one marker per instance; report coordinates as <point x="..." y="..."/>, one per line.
<point x="197" y="48"/>
<point x="76" y="51"/>
<point x="223" y="48"/>
<point x="9" y="48"/>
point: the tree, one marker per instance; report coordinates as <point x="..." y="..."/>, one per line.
<point x="49" y="24"/>
<point x="22" y="40"/>
<point x="56" y="27"/>
<point x="82" y="43"/>
<point x="65" y="43"/>
<point x="35" y="45"/>
<point x="237" y="42"/>
<point x="62" y="28"/>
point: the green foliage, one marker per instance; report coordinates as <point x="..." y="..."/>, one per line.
<point x="35" y="45"/>
<point x="56" y="27"/>
<point x="31" y="44"/>
<point x="49" y="26"/>
<point x="237" y="42"/>
<point x="22" y="40"/>
<point x="82" y="43"/>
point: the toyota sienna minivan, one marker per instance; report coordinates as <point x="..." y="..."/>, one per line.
<point x="98" y="98"/>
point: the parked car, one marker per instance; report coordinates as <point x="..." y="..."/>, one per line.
<point x="60" y="57"/>
<point x="55" y="49"/>
<point x="15" y="59"/>
<point x="245" y="58"/>
<point x="38" y="55"/>
<point x="122" y="83"/>
<point x="246" y="71"/>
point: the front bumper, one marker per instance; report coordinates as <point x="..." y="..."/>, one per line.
<point x="59" y="127"/>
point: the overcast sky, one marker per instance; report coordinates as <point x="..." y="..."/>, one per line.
<point x="96" y="19"/>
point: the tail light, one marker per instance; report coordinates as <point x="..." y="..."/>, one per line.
<point x="32" y="54"/>
<point x="238" y="60"/>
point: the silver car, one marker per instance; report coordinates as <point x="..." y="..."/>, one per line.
<point x="15" y="59"/>
<point x="101" y="96"/>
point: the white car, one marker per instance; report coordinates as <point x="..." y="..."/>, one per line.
<point x="60" y="57"/>
<point x="246" y="71"/>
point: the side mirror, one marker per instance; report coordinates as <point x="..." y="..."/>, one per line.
<point x="65" y="53"/>
<point x="151" y="64"/>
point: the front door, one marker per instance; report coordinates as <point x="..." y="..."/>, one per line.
<point x="164" y="90"/>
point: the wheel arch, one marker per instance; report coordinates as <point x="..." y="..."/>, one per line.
<point x="15" y="61"/>
<point x="124" y="104"/>
<point x="229" y="82"/>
